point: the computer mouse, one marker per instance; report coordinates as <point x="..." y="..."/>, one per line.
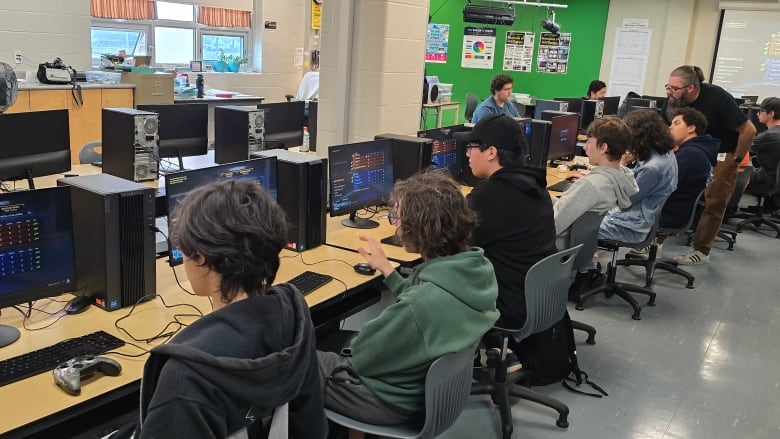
<point x="364" y="268"/>
<point x="78" y="304"/>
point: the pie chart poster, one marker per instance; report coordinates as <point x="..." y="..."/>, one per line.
<point x="479" y="46"/>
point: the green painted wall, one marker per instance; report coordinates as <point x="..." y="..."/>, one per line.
<point x="585" y="19"/>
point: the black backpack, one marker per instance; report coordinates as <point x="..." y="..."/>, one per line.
<point x="551" y="356"/>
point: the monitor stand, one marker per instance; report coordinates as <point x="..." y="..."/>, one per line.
<point x="359" y="223"/>
<point x="8" y="335"/>
<point x="391" y="240"/>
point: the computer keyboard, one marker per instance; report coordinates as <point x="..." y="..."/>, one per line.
<point x="561" y="186"/>
<point x="45" y="359"/>
<point x="309" y="281"/>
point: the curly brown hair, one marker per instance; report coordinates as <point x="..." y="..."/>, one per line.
<point x="649" y="133"/>
<point x="435" y="218"/>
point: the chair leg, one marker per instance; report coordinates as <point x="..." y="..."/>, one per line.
<point x="672" y="268"/>
<point x="534" y="396"/>
<point x="587" y="328"/>
<point x="621" y="290"/>
<point x="635" y="262"/>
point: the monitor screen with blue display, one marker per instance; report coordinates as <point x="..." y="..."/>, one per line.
<point x="445" y="149"/>
<point x="36" y="248"/>
<point x="361" y="175"/>
<point x="179" y="184"/>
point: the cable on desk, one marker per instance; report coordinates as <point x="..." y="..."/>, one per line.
<point x="175" y="275"/>
<point x="165" y="333"/>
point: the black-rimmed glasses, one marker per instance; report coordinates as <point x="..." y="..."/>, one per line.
<point x="672" y="88"/>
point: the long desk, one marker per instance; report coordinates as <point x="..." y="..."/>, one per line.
<point x="348" y="238"/>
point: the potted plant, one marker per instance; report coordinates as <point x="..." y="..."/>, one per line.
<point x="221" y="65"/>
<point x="234" y="64"/>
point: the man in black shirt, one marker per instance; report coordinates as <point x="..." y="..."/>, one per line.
<point x="727" y="123"/>
<point x="515" y="218"/>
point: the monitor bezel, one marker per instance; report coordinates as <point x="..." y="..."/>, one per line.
<point x="194" y="115"/>
<point x="16" y="161"/>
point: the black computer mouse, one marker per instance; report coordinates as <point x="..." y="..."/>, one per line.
<point x="78" y="304"/>
<point x="364" y="268"/>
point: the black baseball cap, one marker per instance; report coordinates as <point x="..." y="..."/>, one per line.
<point x="498" y="130"/>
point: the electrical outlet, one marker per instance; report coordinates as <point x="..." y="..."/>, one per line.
<point x="18" y="56"/>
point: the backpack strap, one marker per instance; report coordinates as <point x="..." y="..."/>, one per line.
<point x="579" y="375"/>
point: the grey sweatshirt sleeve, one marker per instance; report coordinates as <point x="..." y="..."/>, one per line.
<point x="580" y="198"/>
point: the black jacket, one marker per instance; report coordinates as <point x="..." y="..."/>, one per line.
<point x="516" y="229"/>
<point x="695" y="159"/>
<point x="231" y="368"/>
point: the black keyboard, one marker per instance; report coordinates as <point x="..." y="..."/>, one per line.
<point x="561" y="186"/>
<point x="45" y="359"/>
<point x="309" y="281"/>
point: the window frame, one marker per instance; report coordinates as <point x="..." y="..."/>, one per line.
<point x="148" y="27"/>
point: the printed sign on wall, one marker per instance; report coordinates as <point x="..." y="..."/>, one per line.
<point x="553" y="54"/>
<point x="436" y="42"/>
<point x="478" y="47"/>
<point x="519" y="51"/>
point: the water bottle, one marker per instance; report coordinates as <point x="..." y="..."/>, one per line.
<point x="305" y="145"/>
<point x="199" y="85"/>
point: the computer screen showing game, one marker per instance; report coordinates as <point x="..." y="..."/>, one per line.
<point x="445" y="148"/>
<point x="361" y="175"/>
<point x="36" y="245"/>
<point x="611" y="105"/>
<point x="34" y="144"/>
<point x="179" y="184"/>
<point x="563" y="136"/>
<point x="182" y="128"/>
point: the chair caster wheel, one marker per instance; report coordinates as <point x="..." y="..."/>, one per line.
<point x="562" y="423"/>
<point x="636" y="317"/>
<point x="579" y="307"/>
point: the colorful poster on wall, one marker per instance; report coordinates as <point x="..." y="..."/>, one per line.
<point x="553" y="56"/>
<point x="519" y="51"/>
<point x="479" y="46"/>
<point x="436" y="42"/>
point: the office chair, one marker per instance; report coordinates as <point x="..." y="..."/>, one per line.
<point x="87" y="153"/>
<point x="585" y="231"/>
<point x="664" y="264"/>
<point x="471" y="104"/>
<point x="447" y="386"/>
<point x="546" y="292"/>
<point x="622" y="289"/>
<point x="762" y="217"/>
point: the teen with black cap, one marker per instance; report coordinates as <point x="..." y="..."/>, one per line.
<point x="515" y="216"/>
<point x="767" y="147"/>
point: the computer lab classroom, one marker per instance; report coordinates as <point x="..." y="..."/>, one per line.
<point x="700" y="363"/>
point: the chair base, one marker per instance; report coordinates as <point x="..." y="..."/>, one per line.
<point x="588" y="329"/>
<point x="757" y="222"/>
<point x="621" y="290"/>
<point x="500" y="391"/>
<point x="667" y="265"/>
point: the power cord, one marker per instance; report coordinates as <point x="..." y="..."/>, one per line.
<point x="165" y="333"/>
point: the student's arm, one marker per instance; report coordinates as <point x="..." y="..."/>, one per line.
<point x="647" y="179"/>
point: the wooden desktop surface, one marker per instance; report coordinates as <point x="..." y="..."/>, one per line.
<point x="339" y="235"/>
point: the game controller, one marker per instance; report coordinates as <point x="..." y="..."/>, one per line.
<point x="68" y="375"/>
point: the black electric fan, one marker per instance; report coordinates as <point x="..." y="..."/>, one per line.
<point x="8" y="87"/>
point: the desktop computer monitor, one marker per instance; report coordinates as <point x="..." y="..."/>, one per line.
<point x="659" y="100"/>
<point x="575" y="104"/>
<point x="539" y="142"/>
<point x="611" y="105"/>
<point x="563" y="136"/>
<point x="591" y="110"/>
<point x="179" y="184"/>
<point x="640" y="102"/>
<point x="750" y="99"/>
<point x="34" y="144"/>
<point x="36" y="248"/>
<point x="182" y="129"/>
<point x="446" y="154"/>
<point x="283" y="124"/>
<point x="545" y="105"/>
<point x="361" y="175"/>
<point x="410" y="154"/>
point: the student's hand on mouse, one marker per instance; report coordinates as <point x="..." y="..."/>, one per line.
<point x="375" y="256"/>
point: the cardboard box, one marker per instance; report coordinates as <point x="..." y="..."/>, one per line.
<point x="150" y="88"/>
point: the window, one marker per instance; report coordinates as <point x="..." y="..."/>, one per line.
<point x="174" y="38"/>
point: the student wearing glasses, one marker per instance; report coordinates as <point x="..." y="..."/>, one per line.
<point x="446" y="305"/>
<point x="727" y="123"/>
<point x="767" y="148"/>
<point x="499" y="101"/>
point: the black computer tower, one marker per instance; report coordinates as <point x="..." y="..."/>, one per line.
<point x="313" y="111"/>
<point x="590" y="111"/>
<point x="540" y="142"/>
<point x="410" y="154"/>
<point x="238" y="132"/>
<point x="302" y="181"/>
<point x="113" y="237"/>
<point x="130" y="143"/>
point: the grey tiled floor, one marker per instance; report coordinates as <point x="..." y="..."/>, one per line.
<point x="703" y="363"/>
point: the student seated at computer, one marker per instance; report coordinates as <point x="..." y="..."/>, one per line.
<point x="515" y="217"/>
<point x="608" y="185"/>
<point x="655" y="171"/>
<point x="767" y="148"/>
<point x="446" y="304"/>
<point x="224" y="373"/>
<point x="499" y="101"/>
<point x="696" y="155"/>
<point x="597" y="89"/>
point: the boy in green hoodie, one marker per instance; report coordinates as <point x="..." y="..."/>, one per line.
<point x="446" y="305"/>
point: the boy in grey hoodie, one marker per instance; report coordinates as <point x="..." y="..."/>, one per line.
<point x="608" y="185"/>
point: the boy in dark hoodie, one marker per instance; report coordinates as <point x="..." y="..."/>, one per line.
<point x="515" y="223"/>
<point x="226" y="372"/>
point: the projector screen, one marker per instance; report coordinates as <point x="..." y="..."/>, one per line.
<point x="747" y="57"/>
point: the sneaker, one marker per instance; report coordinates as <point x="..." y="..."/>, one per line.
<point x="513" y="364"/>
<point x="693" y="257"/>
<point x="644" y="252"/>
<point x="487" y="358"/>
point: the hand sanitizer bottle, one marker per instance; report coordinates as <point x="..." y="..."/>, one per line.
<point x="305" y="145"/>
